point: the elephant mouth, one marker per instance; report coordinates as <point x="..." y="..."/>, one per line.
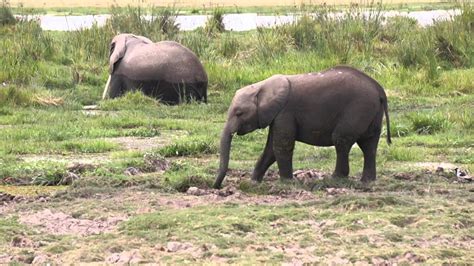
<point x="244" y="130"/>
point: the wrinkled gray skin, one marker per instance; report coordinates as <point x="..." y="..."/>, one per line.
<point x="338" y="107"/>
<point x="165" y="70"/>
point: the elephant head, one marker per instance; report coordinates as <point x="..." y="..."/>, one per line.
<point x="118" y="47"/>
<point x="252" y="107"/>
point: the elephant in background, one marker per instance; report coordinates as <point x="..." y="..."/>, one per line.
<point x="337" y="107"/>
<point x="165" y="70"/>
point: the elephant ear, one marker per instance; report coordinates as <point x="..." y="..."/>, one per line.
<point x="271" y="98"/>
<point x="117" y="50"/>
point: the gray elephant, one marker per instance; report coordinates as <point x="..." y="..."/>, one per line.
<point x="337" y="107"/>
<point x="165" y="70"/>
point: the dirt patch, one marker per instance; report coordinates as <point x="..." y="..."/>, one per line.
<point x="59" y="223"/>
<point x="435" y="165"/>
<point x="232" y="194"/>
<point x="83" y="159"/>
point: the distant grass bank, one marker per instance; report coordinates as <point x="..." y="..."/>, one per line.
<point x="207" y="7"/>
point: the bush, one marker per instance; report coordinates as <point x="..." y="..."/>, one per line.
<point x="191" y="146"/>
<point x="396" y="28"/>
<point x="159" y="25"/>
<point x="453" y="40"/>
<point x="272" y="43"/>
<point x="130" y="101"/>
<point x="6" y="15"/>
<point x="215" y="25"/>
<point x="22" y="49"/>
<point x="428" y="124"/>
<point x="85" y="45"/>
<point x="15" y="96"/>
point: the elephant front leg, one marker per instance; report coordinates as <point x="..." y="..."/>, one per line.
<point x="283" y="146"/>
<point x="265" y="161"/>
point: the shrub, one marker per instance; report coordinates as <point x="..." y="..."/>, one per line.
<point x="21" y="49"/>
<point x="453" y="40"/>
<point x="190" y="146"/>
<point x="397" y="27"/>
<point x="196" y="41"/>
<point x="6" y="15"/>
<point x="15" y="96"/>
<point x="427" y="124"/>
<point x="130" y="101"/>
<point x="85" y="45"/>
<point x="159" y="25"/>
<point x="271" y="43"/>
<point x="215" y="23"/>
<point x="415" y="49"/>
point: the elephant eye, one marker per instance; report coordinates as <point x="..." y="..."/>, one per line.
<point x="238" y="113"/>
<point x="112" y="48"/>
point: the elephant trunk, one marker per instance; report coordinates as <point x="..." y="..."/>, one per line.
<point x="106" y="93"/>
<point x="226" y="140"/>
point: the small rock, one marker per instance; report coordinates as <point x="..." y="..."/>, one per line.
<point x="125" y="257"/>
<point x="379" y="261"/>
<point x="404" y="176"/>
<point x="90" y="107"/>
<point x="78" y="168"/>
<point x="40" y="259"/>
<point x="131" y="171"/>
<point x="5" y="258"/>
<point x="195" y="191"/>
<point x="227" y="191"/>
<point x="439" y="169"/>
<point x="21" y="242"/>
<point x="5" y="197"/>
<point x="68" y="178"/>
<point x="176" y="246"/>
<point x="336" y="191"/>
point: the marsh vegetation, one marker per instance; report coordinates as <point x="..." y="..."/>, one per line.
<point x="134" y="155"/>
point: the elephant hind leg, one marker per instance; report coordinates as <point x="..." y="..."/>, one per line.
<point x="369" y="148"/>
<point x="343" y="147"/>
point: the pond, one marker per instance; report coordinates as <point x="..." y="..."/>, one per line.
<point x="233" y="22"/>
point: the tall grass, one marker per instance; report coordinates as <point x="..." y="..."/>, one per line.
<point x="159" y="24"/>
<point x="358" y="36"/>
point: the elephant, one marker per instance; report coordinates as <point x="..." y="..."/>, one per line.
<point x="164" y="70"/>
<point x="337" y="107"/>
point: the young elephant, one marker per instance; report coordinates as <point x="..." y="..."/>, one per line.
<point x="338" y="107"/>
<point x="165" y="70"/>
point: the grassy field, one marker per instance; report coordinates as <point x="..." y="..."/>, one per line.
<point x="110" y="185"/>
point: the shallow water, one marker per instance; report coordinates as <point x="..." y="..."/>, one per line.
<point x="233" y="22"/>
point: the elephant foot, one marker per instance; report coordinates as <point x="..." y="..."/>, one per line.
<point x="367" y="179"/>
<point x="286" y="179"/>
<point x="339" y="175"/>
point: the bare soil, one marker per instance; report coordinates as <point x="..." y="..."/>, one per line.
<point x="59" y="223"/>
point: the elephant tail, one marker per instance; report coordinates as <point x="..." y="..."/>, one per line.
<point x="387" y="119"/>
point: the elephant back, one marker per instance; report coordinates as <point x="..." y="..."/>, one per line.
<point x="166" y="60"/>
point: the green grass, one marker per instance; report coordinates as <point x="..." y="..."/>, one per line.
<point x="356" y="224"/>
<point x="44" y="134"/>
